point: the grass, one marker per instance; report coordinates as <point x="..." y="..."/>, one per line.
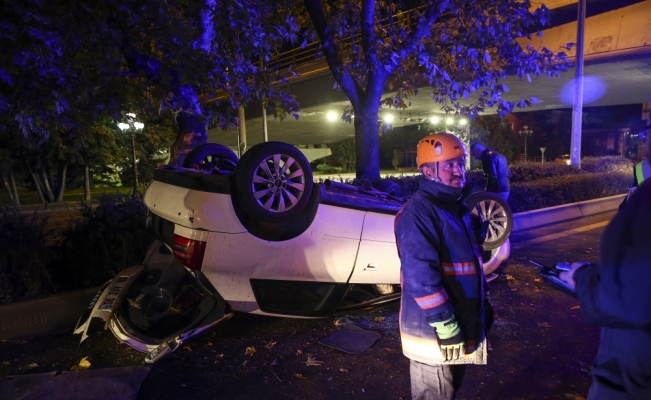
<point x="29" y="197"/>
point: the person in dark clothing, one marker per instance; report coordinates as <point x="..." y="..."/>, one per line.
<point x="641" y="170"/>
<point x="442" y="306"/>
<point x="496" y="170"/>
<point x="615" y="295"/>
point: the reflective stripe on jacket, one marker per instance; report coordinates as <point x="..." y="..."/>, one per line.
<point x="441" y="273"/>
<point x="642" y="172"/>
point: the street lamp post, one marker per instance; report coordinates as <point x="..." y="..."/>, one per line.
<point x="525" y="131"/>
<point x="132" y="126"/>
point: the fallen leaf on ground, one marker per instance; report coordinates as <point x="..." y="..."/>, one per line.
<point x="344" y="370"/>
<point x="220" y="355"/>
<point x="544" y="325"/>
<point x="312" y="361"/>
<point x="299" y="352"/>
<point x="83" y="364"/>
<point x="186" y="347"/>
<point x="269" y="345"/>
<point x="208" y="344"/>
<point x="339" y="322"/>
<point x="33" y="365"/>
<point x="300" y="376"/>
<point x="379" y="319"/>
<point x="509" y="277"/>
<point x="537" y="280"/>
<point x="249" y="351"/>
<point x="575" y="308"/>
<point x="574" y="396"/>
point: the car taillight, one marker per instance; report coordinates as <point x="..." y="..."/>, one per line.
<point x="188" y="251"/>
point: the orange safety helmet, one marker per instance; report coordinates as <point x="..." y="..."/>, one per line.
<point x="439" y="147"/>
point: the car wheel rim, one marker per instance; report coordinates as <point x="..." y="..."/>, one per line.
<point x="278" y="183"/>
<point x="495" y="214"/>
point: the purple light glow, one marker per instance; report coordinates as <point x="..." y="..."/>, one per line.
<point x="594" y="87"/>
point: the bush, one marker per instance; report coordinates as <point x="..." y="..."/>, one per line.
<point x="566" y="189"/>
<point x="531" y="171"/>
<point x="23" y="255"/>
<point x="106" y="240"/>
<point x="608" y="164"/>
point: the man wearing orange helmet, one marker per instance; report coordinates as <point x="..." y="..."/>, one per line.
<point x="442" y="323"/>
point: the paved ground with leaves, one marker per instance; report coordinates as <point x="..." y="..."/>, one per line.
<point x="542" y="349"/>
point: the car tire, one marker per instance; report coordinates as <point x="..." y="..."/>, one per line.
<point x="273" y="182"/>
<point x="494" y="209"/>
<point x="209" y="156"/>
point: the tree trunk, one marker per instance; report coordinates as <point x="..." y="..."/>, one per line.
<point x="193" y="131"/>
<point x="62" y="186"/>
<point x="367" y="142"/>
<point x="52" y="179"/>
<point x="5" y="181"/>
<point x="36" y="183"/>
<point x="13" y="187"/>
<point x="86" y="183"/>
<point x="46" y="184"/>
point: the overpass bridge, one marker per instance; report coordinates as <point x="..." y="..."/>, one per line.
<point x="617" y="70"/>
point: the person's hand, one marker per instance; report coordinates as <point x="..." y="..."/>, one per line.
<point x="451" y="339"/>
<point x="568" y="276"/>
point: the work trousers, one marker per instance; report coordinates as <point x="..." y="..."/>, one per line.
<point x="435" y="382"/>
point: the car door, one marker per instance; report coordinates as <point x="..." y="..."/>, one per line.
<point x="377" y="260"/>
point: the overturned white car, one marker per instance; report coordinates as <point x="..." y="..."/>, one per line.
<point x="257" y="235"/>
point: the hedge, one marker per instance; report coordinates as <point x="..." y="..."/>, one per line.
<point x="566" y="189"/>
<point x="35" y="259"/>
<point x="24" y="255"/>
<point x="105" y="240"/>
<point x="545" y="192"/>
<point x="531" y="171"/>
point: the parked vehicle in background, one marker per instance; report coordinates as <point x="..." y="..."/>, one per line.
<point x="563" y="159"/>
<point x="257" y="235"/>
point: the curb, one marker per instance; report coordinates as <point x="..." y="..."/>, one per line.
<point x="545" y="216"/>
<point x="62" y="311"/>
<point x="44" y="315"/>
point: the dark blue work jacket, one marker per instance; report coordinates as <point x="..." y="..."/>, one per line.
<point x="616" y="295"/>
<point x="441" y="273"/>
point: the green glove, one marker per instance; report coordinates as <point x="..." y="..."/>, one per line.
<point x="451" y="339"/>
